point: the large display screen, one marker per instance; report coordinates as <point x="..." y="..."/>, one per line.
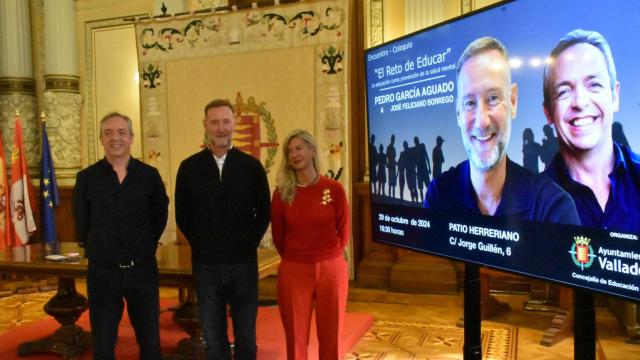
<point x="506" y="138"/>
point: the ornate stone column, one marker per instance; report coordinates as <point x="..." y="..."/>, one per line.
<point x="17" y="86"/>
<point x="62" y="101"/>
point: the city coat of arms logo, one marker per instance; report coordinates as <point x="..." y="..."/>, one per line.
<point x="582" y="253"/>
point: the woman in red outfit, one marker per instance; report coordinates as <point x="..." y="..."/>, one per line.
<point x="310" y="226"/>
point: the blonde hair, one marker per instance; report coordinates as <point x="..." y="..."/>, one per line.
<point x="286" y="177"/>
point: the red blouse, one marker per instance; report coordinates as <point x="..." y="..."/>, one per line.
<point x="315" y="226"/>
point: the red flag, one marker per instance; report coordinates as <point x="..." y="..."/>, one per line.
<point x="5" y="213"/>
<point x="21" y="192"/>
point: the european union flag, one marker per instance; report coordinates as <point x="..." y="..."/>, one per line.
<point x="48" y="191"/>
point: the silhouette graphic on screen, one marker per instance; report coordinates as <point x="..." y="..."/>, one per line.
<point x="438" y="157"/>
<point x="410" y="170"/>
<point x="423" y="166"/>
<point x="381" y="161"/>
<point x="531" y="151"/>
<point x="373" y="154"/>
<point x="618" y="134"/>
<point x="391" y="166"/>
<point x="549" y="145"/>
<point x="402" y="166"/>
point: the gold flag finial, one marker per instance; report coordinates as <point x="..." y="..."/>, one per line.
<point x="17" y="113"/>
<point x="42" y="117"/>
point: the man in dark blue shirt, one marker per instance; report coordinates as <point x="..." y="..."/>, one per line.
<point x="486" y="104"/>
<point x="120" y="211"/>
<point x="530" y="197"/>
<point x="581" y="94"/>
<point x="622" y="210"/>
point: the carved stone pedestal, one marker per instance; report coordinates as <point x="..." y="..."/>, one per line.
<point x="187" y="317"/>
<point x="70" y="340"/>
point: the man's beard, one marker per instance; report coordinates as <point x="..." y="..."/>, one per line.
<point x="495" y="153"/>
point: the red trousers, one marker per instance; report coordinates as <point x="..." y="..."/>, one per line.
<point x="300" y="285"/>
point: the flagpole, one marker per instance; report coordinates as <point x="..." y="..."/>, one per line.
<point x="21" y="197"/>
<point x="49" y="248"/>
<point x="5" y="211"/>
<point x="49" y="198"/>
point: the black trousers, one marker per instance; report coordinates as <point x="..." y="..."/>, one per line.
<point x="108" y="286"/>
<point x="236" y="285"/>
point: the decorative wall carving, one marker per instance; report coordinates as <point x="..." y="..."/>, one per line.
<point x="193" y="36"/>
<point x="151" y="76"/>
<point x="63" y="127"/>
<point x="332" y="60"/>
<point x="26" y="105"/>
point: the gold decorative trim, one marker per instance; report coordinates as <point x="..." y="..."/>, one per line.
<point x="66" y="83"/>
<point x="9" y="85"/>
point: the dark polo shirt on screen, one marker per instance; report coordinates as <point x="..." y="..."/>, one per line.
<point x="622" y="211"/>
<point x="525" y="195"/>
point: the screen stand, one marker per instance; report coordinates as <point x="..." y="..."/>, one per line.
<point x="584" y="328"/>
<point x="472" y="346"/>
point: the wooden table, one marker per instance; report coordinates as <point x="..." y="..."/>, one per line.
<point x="66" y="306"/>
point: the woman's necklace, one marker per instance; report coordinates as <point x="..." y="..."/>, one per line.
<point x="315" y="180"/>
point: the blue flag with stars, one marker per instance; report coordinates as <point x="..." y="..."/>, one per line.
<point x="49" y="199"/>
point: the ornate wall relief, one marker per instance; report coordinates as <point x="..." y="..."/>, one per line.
<point x="25" y="105"/>
<point x="62" y="111"/>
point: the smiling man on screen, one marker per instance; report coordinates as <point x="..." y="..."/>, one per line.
<point x="581" y="94"/>
<point x="489" y="183"/>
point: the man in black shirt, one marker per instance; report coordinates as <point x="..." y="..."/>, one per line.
<point x="120" y="210"/>
<point x="222" y="207"/>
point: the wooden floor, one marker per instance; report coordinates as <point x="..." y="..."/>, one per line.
<point x="421" y="308"/>
<point x="448" y="309"/>
<point x="384" y="304"/>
